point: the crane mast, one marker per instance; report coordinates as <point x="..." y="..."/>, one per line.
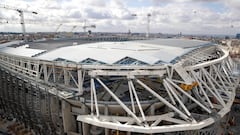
<point x="148" y="23"/>
<point x="58" y="27"/>
<point x="75" y="26"/>
<point x="22" y="23"/>
<point x="85" y="26"/>
<point x="21" y="14"/>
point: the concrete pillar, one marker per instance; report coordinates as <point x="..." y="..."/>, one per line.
<point x="152" y="109"/>
<point x="106" y="113"/>
<point x="66" y="77"/>
<point x="69" y="123"/>
<point x="54" y="106"/>
<point x="80" y="81"/>
<point x="54" y="73"/>
<point x="45" y="72"/>
<point x="85" y="127"/>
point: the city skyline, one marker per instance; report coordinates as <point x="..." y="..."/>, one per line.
<point x="167" y="16"/>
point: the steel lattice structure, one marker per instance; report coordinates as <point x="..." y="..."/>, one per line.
<point x="191" y="93"/>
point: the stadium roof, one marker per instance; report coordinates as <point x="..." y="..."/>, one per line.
<point x="22" y="51"/>
<point x="141" y="52"/>
<point x="131" y="53"/>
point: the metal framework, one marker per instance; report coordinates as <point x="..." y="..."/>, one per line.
<point x="191" y="93"/>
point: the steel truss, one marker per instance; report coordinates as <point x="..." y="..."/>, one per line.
<point x="207" y="101"/>
<point x="191" y="94"/>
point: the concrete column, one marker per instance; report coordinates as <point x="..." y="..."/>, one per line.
<point x="80" y="81"/>
<point x="106" y="113"/>
<point x="69" y="123"/>
<point x="54" y="73"/>
<point x="66" y="77"/>
<point x="152" y="109"/>
<point x="54" y="106"/>
<point x="45" y="72"/>
<point x="85" y="127"/>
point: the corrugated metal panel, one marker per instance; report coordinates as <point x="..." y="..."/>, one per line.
<point x="148" y="52"/>
<point x="144" y="51"/>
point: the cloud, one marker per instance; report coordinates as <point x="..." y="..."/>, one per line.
<point x="51" y="4"/>
<point x="75" y="14"/>
<point x="98" y="3"/>
<point x="168" y="16"/>
<point x="233" y="4"/>
<point x="94" y="14"/>
<point x="206" y="0"/>
<point x="182" y="1"/>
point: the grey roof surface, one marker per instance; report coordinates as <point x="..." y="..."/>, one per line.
<point x="54" y="44"/>
<point x="23" y="50"/>
<point x="181" y="43"/>
<point x="143" y="51"/>
<point x="140" y="52"/>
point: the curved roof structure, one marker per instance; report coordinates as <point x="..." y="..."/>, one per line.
<point x="146" y="86"/>
<point x="23" y="50"/>
<point x="143" y="52"/>
<point x="131" y="53"/>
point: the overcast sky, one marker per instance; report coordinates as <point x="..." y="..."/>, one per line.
<point x="168" y="16"/>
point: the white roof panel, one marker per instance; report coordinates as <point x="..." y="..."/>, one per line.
<point x="21" y="51"/>
<point x="146" y="51"/>
<point x="149" y="52"/>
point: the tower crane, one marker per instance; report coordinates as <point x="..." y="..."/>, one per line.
<point x="14" y="21"/>
<point x="58" y="27"/>
<point x="21" y="14"/>
<point x="148" y="23"/>
<point x="75" y="26"/>
<point x="85" y="26"/>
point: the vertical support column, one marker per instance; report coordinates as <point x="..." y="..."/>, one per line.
<point x="85" y="127"/>
<point x="68" y="120"/>
<point x="106" y="113"/>
<point x="66" y="76"/>
<point x="37" y="69"/>
<point x="152" y="109"/>
<point x="54" y="108"/>
<point x="45" y="72"/>
<point x="80" y="81"/>
<point x="54" y="73"/>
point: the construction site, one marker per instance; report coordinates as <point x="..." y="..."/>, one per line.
<point x="117" y="84"/>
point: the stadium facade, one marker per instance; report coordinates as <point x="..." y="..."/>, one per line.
<point x="167" y="86"/>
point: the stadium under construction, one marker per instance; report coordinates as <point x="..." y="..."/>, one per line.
<point x="157" y="86"/>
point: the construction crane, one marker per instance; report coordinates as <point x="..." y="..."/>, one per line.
<point x="148" y="23"/>
<point x="85" y="26"/>
<point x="14" y="21"/>
<point x="58" y="27"/>
<point x="21" y="14"/>
<point x="8" y="22"/>
<point x="75" y="26"/>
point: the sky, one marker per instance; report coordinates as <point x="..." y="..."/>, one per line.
<point x="167" y="16"/>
